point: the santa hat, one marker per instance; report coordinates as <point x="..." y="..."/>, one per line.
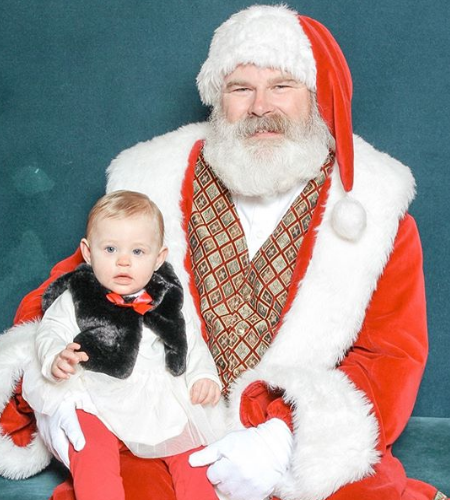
<point x="277" y="37"/>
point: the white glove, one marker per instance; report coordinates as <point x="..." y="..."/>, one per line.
<point x="60" y="428"/>
<point x="248" y="464"/>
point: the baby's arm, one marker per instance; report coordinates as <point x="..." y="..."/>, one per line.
<point x="201" y="372"/>
<point x="43" y="391"/>
<point x="63" y="365"/>
<point x="55" y="334"/>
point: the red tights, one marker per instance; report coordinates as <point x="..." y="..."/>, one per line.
<point x="96" y="469"/>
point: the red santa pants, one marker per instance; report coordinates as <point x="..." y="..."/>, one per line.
<point x="96" y="468"/>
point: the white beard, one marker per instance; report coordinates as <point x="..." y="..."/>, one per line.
<point x="266" y="167"/>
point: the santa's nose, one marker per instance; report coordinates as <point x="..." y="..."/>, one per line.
<point x="261" y="104"/>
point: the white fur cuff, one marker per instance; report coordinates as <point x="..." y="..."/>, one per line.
<point x="16" y="350"/>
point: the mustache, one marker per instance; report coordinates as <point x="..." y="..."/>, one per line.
<point x="249" y="126"/>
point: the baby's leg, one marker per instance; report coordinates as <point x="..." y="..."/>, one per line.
<point x="189" y="482"/>
<point x="96" y="468"/>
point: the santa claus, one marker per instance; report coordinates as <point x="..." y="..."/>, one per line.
<point x="300" y="265"/>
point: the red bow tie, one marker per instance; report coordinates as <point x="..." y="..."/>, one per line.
<point x="141" y="304"/>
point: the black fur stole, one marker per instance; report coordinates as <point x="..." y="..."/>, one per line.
<point x="110" y="334"/>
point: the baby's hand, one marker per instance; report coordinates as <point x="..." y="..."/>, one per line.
<point x="205" y="392"/>
<point x="63" y="365"/>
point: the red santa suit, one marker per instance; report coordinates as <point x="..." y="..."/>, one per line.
<point x="351" y="344"/>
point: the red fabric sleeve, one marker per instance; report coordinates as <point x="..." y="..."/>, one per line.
<point x="387" y="363"/>
<point x="17" y="419"/>
<point x="388" y="359"/>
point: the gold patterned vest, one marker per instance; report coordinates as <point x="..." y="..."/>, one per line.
<point x="241" y="301"/>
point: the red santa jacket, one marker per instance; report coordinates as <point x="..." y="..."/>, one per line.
<point x="351" y="350"/>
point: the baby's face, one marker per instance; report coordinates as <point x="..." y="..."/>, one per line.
<point x="124" y="252"/>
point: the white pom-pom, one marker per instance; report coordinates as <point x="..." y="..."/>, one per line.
<point x="348" y="218"/>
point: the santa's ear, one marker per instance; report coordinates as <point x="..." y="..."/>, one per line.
<point x="85" y="250"/>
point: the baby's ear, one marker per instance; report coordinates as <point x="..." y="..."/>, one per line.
<point x="85" y="250"/>
<point x="162" y="256"/>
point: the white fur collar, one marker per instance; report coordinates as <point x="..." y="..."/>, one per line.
<point x="382" y="185"/>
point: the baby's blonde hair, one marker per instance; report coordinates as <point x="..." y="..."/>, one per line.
<point x="121" y="204"/>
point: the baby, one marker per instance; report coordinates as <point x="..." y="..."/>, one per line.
<point x="114" y="341"/>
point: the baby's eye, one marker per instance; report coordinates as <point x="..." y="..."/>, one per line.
<point x="110" y="249"/>
<point x="138" y="251"/>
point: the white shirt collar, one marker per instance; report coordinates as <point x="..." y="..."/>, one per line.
<point x="260" y="215"/>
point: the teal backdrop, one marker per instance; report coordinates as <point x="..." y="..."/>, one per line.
<point x="83" y="79"/>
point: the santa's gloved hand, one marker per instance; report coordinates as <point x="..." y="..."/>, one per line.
<point x="60" y="428"/>
<point x="247" y="464"/>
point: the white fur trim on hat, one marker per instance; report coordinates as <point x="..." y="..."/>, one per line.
<point x="267" y="36"/>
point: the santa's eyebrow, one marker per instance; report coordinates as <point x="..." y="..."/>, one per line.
<point x="236" y="83"/>
<point x="272" y="81"/>
<point x="282" y="79"/>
